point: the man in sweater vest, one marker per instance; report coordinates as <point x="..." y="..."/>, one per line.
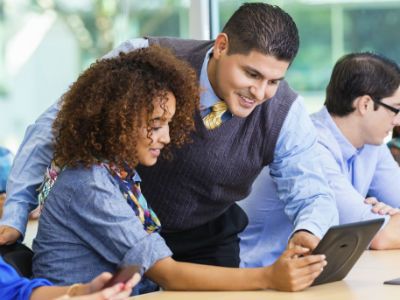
<point x="362" y="105"/>
<point x="264" y="123"/>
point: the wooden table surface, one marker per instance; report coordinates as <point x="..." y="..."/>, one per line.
<point x="365" y="281"/>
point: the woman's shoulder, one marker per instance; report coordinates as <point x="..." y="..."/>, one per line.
<point x="76" y="177"/>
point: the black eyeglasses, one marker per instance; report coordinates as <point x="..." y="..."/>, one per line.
<point x="387" y="106"/>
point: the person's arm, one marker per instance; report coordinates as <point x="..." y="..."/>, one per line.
<point x="301" y="185"/>
<point x="351" y="204"/>
<point x="90" y="291"/>
<point x="389" y="236"/>
<point x="127" y="243"/>
<point x="385" y="187"/>
<point x="34" y="155"/>
<point x="385" y="183"/>
<point x="288" y="273"/>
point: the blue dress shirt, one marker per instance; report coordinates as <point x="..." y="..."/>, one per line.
<point x="288" y="195"/>
<point x="14" y="287"/>
<point x="353" y="174"/>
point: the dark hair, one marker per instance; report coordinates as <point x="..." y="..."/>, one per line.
<point x="102" y="112"/>
<point x="264" y="28"/>
<point x="359" y="74"/>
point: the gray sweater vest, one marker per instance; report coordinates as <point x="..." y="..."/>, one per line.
<point x="208" y="175"/>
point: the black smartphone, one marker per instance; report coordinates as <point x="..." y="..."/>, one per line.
<point x="393" y="281"/>
<point x="122" y="275"/>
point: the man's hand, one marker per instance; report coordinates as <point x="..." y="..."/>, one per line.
<point x="293" y="273"/>
<point x="8" y="235"/>
<point x="380" y="207"/>
<point x="303" y="239"/>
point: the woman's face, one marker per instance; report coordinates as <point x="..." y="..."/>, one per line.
<point x="149" y="145"/>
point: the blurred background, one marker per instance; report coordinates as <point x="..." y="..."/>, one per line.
<point x="45" y="44"/>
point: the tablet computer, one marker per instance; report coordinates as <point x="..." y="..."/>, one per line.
<point x="343" y="245"/>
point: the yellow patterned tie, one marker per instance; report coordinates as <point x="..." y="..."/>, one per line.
<point x="214" y="118"/>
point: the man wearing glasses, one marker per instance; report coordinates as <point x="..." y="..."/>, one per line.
<point x="361" y="108"/>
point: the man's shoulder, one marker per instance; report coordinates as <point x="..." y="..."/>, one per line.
<point x="327" y="139"/>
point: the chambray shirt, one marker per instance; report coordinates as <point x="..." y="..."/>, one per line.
<point x="14" y="287"/>
<point x="87" y="227"/>
<point x="353" y="174"/>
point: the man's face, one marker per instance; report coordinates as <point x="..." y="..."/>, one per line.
<point x="379" y="123"/>
<point x="245" y="81"/>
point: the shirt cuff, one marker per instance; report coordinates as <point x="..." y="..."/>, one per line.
<point x="311" y="228"/>
<point x="16" y="217"/>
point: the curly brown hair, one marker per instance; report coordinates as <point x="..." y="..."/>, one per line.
<point x="101" y="113"/>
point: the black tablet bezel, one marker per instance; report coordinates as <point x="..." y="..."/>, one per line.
<point x="343" y="245"/>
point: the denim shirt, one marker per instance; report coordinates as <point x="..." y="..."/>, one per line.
<point x="87" y="227"/>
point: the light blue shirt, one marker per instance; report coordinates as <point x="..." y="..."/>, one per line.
<point x="296" y="169"/>
<point x="207" y="96"/>
<point x="353" y="174"/>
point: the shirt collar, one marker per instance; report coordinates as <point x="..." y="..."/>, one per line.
<point x="207" y="96"/>
<point x="348" y="150"/>
<point x="136" y="177"/>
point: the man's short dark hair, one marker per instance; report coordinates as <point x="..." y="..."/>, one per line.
<point x="264" y="28"/>
<point x="360" y="74"/>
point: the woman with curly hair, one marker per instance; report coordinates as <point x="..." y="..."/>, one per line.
<point x="116" y="115"/>
<point x="94" y="218"/>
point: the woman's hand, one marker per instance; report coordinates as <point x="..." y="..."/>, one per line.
<point x="294" y="272"/>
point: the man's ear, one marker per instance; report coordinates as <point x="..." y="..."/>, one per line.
<point x="221" y="45"/>
<point x="362" y="104"/>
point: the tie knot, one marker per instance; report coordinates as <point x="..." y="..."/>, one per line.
<point x="220" y="106"/>
<point x="219" y="113"/>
